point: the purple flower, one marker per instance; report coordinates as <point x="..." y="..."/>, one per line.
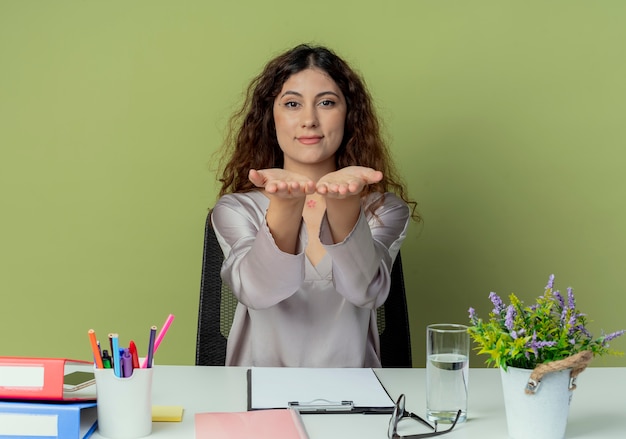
<point x="550" y="282"/>
<point x="497" y="303"/>
<point x="582" y="329"/>
<point x="563" y="316"/>
<point x="472" y="314"/>
<point x="611" y="336"/>
<point x="572" y="323"/>
<point x="510" y="317"/>
<point x="559" y="298"/>
<point x="571" y="302"/>
<point x="536" y="345"/>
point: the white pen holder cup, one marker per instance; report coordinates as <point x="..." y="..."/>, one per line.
<point x="124" y="404"/>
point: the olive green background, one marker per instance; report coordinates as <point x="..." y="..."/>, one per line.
<point x="506" y="119"/>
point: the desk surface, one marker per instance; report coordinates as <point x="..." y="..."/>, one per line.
<point x="598" y="408"/>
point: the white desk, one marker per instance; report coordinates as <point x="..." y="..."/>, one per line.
<point x="598" y="407"/>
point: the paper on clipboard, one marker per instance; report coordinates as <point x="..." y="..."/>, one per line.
<point x="317" y="390"/>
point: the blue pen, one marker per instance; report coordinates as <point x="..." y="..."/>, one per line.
<point x="127" y="363"/>
<point x="148" y="361"/>
<point x="116" y="355"/>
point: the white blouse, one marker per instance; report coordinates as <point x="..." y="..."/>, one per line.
<point x="291" y="313"/>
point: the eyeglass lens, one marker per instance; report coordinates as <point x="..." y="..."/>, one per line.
<point x="399" y="413"/>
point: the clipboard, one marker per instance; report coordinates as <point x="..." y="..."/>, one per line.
<point x="317" y="390"/>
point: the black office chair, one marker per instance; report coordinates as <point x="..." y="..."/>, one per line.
<point x="217" y="307"/>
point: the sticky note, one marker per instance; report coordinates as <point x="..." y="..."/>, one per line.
<point x="167" y="413"/>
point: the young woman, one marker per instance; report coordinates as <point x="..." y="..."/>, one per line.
<point x="310" y="217"/>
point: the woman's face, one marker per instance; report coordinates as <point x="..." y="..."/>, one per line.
<point x="310" y="114"/>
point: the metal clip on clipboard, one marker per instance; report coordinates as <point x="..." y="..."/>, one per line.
<point x="322" y="405"/>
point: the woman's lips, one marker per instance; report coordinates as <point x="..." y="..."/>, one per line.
<point x="309" y="140"/>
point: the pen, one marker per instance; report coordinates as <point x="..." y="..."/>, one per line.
<point x="163" y="331"/>
<point x="106" y="359"/>
<point x="111" y="346"/>
<point x="132" y="347"/>
<point x="147" y="362"/>
<point x="127" y="363"/>
<point x="116" y="355"/>
<point x="94" y="347"/>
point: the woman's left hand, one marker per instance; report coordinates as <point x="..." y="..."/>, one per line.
<point x="347" y="182"/>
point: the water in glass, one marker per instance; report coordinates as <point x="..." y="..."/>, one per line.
<point x="447" y="377"/>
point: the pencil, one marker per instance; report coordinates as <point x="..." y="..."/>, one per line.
<point x="94" y="347"/>
<point x="147" y="362"/>
<point x="163" y="331"/>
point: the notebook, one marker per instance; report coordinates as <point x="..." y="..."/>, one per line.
<point x="262" y="424"/>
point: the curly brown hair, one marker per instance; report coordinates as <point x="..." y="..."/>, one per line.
<point x="251" y="141"/>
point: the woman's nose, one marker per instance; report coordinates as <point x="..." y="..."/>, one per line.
<point x="309" y="118"/>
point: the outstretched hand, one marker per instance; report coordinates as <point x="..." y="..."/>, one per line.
<point x="282" y="183"/>
<point x="343" y="183"/>
<point x="347" y="181"/>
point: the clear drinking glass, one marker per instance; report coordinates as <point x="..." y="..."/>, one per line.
<point x="447" y="372"/>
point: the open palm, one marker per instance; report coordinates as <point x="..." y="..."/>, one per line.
<point x="347" y="181"/>
<point x="282" y="183"/>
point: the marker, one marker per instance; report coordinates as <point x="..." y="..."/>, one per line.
<point x="116" y="355"/>
<point x="111" y="346"/>
<point x="163" y="331"/>
<point x="106" y="359"/>
<point x="132" y="347"/>
<point x="127" y="363"/>
<point x="94" y="347"/>
<point x="147" y="362"/>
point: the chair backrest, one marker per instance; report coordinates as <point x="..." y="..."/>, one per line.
<point x="217" y="307"/>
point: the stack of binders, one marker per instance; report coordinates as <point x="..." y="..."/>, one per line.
<point x="35" y="401"/>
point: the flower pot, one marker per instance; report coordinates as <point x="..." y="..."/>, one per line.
<point x="542" y="415"/>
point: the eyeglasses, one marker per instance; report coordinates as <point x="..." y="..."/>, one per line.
<point x="399" y="414"/>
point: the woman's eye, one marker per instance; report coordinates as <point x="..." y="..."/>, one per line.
<point x="290" y="104"/>
<point x="327" y="103"/>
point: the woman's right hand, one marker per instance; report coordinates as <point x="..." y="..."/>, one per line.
<point x="281" y="183"/>
<point x="287" y="192"/>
